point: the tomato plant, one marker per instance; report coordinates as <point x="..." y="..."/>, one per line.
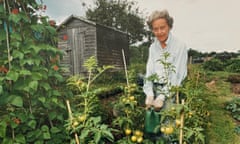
<point x="84" y="119"/>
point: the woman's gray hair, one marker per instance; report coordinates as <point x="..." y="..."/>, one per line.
<point x="160" y="14"/>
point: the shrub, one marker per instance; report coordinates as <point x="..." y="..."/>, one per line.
<point x="234" y="66"/>
<point x="213" y="65"/>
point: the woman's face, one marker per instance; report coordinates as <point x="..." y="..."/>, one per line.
<point x="160" y="29"/>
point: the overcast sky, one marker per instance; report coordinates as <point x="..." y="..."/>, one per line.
<point x="204" y="25"/>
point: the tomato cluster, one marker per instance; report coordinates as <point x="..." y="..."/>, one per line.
<point x="135" y="136"/>
<point x="78" y="120"/>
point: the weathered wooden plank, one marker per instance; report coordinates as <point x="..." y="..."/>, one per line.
<point x="86" y="40"/>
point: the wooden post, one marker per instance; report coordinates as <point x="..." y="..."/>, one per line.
<point x="71" y="118"/>
<point x="125" y="66"/>
<point x="177" y="97"/>
<point x="181" y="125"/>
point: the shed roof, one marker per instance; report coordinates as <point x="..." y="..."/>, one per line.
<point x="86" y="21"/>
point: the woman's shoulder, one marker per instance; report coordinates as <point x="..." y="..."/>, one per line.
<point x="179" y="43"/>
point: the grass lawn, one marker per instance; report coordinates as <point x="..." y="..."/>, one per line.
<point x="221" y="127"/>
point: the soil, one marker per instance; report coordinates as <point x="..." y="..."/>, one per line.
<point x="236" y="88"/>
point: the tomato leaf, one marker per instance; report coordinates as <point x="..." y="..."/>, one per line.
<point x="97" y="136"/>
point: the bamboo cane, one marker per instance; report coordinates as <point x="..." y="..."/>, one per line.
<point x="181" y="125"/>
<point x="6" y="5"/>
<point x="70" y="116"/>
<point x="177" y="97"/>
<point x="125" y="67"/>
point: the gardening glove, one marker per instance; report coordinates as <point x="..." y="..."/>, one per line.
<point x="149" y="101"/>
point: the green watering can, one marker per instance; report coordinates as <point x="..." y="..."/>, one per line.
<point x="152" y="120"/>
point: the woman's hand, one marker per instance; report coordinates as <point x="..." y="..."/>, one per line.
<point x="149" y="101"/>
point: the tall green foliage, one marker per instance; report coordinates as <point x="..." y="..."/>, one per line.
<point x="85" y="119"/>
<point x="32" y="109"/>
<point x="121" y="15"/>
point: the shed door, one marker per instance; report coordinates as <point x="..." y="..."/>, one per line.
<point x="78" y="50"/>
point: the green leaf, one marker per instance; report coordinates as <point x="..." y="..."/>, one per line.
<point x="54" y="100"/>
<point x="3" y="126"/>
<point x="46" y="86"/>
<point x="108" y="135"/>
<point x="1" y="9"/>
<point x="14" y="18"/>
<point x="24" y="17"/>
<point x="32" y="124"/>
<point x="37" y="76"/>
<point x="20" y="139"/>
<point x="2" y="35"/>
<point x="52" y="115"/>
<point x="16" y="100"/>
<point x="51" y="29"/>
<point x="12" y="75"/>
<point x="97" y="137"/>
<point x="7" y="140"/>
<point x="16" y="36"/>
<point x="42" y="99"/>
<point x="28" y="61"/>
<point x="38" y="142"/>
<point x="84" y="133"/>
<point x="58" y="77"/>
<point x="38" y="28"/>
<point x="17" y="54"/>
<point x="25" y="72"/>
<point x="1" y="89"/>
<point x="55" y="130"/>
<point x="33" y="85"/>
<point x="45" y="128"/>
<point x="35" y="48"/>
<point x="46" y="135"/>
<point x="96" y="120"/>
<point x="56" y="93"/>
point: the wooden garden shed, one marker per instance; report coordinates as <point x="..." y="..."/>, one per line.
<point x="80" y="39"/>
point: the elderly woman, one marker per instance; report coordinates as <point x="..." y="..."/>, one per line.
<point x="168" y="48"/>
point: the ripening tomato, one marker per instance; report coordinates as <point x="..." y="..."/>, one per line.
<point x="131" y="98"/>
<point x="82" y="118"/>
<point x="139" y="139"/>
<point x="169" y="130"/>
<point x="178" y="122"/>
<point x="134" y="138"/>
<point x="138" y="133"/>
<point x="75" y="124"/>
<point x="128" y="131"/>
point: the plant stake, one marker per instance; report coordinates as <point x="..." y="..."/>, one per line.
<point x="70" y="116"/>
<point x="125" y="67"/>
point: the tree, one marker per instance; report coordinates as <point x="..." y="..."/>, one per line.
<point x="194" y="53"/>
<point x="119" y="14"/>
<point x="32" y="107"/>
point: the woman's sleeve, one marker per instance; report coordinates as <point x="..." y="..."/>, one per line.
<point x="148" y="85"/>
<point x="180" y="67"/>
